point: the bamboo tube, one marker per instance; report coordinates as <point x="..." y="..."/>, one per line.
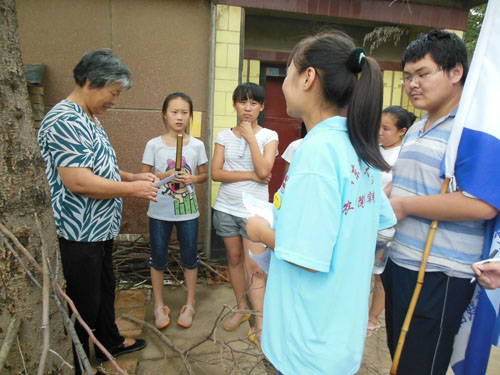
<point x="178" y="157"/>
<point x="418" y="288"/>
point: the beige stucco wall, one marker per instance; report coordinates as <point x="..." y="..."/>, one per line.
<point x="166" y="44"/>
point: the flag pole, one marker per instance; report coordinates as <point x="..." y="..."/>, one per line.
<point x="418" y="288"/>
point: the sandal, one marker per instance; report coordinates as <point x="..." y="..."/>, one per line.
<point x="253" y="339"/>
<point x="230" y="324"/>
<point x="162" y="319"/>
<point x="186" y="316"/>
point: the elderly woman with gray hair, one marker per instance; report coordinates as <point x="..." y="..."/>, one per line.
<point x="86" y="187"/>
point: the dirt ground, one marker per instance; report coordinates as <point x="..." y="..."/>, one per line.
<point x="215" y="351"/>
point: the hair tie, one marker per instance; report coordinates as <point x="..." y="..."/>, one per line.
<point x="361" y="55"/>
<point x="355" y="59"/>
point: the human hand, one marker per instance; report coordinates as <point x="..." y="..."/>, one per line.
<point x="245" y="129"/>
<point x="185" y="178"/>
<point x="255" y="225"/>
<point x="144" y="189"/>
<point x="488" y="274"/>
<point x="166" y="174"/>
<point x="397" y="203"/>
<point x="146" y="177"/>
<point x="263" y="180"/>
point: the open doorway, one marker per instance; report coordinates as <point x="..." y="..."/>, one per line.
<point x="276" y="118"/>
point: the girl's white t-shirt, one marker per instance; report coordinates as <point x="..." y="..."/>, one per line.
<point x="229" y="198"/>
<point x="290" y="150"/>
<point x="174" y="204"/>
<point x="390" y="156"/>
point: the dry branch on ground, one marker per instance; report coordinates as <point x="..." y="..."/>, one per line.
<point x="130" y="260"/>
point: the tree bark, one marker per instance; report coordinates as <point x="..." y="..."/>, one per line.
<point x="23" y="192"/>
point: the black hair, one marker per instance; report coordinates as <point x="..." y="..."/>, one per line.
<point x="176" y="95"/>
<point x="101" y="68"/>
<point x="336" y="60"/>
<point x="446" y="49"/>
<point x="404" y="118"/>
<point x="303" y="130"/>
<point x="251" y="91"/>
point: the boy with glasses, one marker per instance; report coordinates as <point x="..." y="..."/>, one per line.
<point x="434" y="70"/>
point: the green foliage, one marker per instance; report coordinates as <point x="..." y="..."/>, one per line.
<point x="476" y="16"/>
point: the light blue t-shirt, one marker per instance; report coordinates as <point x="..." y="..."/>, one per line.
<point x="327" y="214"/>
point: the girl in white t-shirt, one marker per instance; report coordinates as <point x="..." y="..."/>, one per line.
<point x="176" y="205"/>
<point x="290" y="150"/>
<point x="394" y="124"/>
<point x="243" y="159"/>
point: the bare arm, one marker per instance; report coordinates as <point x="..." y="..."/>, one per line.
<point x="202" y="175"/>
<point x="263" y="163"/>
<point x="388" y="189"/>
<point x="447" y="207"/>
<point x="258" y="230"/>
<point x="83" y="181"/>
<point x="221" y="175"/>
<point x="146" y="168"/>
<point x="127" y="176"/>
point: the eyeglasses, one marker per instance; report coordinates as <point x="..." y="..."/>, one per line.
<point x="406" y="80"/>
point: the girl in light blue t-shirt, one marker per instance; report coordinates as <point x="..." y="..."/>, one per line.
<point x="326" y="213"/>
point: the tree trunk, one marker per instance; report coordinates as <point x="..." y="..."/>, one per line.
<point x="24" y="192"/>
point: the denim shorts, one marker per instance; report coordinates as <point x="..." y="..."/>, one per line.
<point x="187" y="234"/>
<point x="227" y="225"/>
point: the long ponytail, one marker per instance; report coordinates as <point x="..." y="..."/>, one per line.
<point x="364" y="113"/>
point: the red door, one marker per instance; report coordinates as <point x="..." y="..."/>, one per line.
<point x="288" y="128"/>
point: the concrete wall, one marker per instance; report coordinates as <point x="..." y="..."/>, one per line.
<point x="166" y="44"/>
